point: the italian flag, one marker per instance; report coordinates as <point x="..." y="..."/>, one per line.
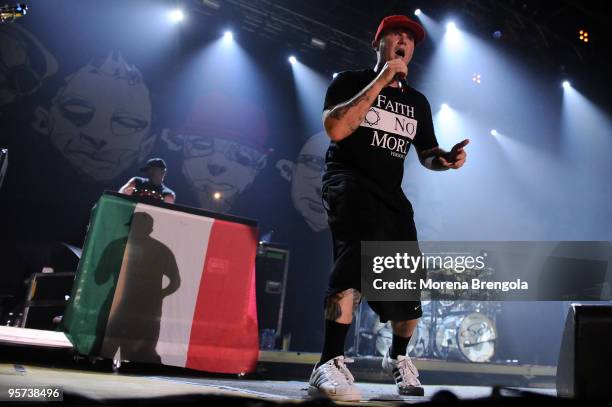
<point x="166" y="286"/>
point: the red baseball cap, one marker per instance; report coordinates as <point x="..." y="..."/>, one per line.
<point x="401" y="21"/>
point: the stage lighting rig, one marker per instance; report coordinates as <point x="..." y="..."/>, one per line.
<point x="8" y="14"/>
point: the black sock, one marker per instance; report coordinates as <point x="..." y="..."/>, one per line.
<point x="398" y="346"/>
<point x="333" y="345"/>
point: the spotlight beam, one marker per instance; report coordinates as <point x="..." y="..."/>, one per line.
<point x="176" y="15"/>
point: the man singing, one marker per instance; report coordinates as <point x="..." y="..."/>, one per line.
<point x="153" y="186"/>
<point x="372" y="118"/>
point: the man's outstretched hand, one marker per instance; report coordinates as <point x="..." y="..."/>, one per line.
<point x="456" y="157"/>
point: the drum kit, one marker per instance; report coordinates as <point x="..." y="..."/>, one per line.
<point x="450" y="329"/>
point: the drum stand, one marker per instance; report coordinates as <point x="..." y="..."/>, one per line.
<point x="357" y="334"/>
<point x="431" y="346"/>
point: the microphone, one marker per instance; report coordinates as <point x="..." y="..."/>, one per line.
<point x="402" y="82"/>
<point x="399" y="78"/>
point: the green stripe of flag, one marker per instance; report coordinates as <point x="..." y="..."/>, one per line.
<point x="87" y="311"/>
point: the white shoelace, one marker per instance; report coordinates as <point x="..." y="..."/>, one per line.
<point x="408" y="371"/>
<point x="338" y="373"/>
<point x="345" y="370"/>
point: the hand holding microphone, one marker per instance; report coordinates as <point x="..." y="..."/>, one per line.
<point x="394" y="70"/>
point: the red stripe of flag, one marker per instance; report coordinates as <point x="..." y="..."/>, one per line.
<point x="224" y="336"/>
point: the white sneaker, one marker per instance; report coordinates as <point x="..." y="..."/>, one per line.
<point x="405" y="375"/>
<point x="333" y="379"/>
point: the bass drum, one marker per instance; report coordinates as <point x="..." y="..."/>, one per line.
<point x="419" y="342"/>
<point x="469" y="337"/>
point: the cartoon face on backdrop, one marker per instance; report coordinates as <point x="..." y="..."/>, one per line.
<point x="100" y="120"/>
<point x="222" y="144"/>
<point x="305" y="177"/>
<point x="24" y="63"/>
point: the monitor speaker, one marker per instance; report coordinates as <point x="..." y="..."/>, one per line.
<point x="586" y="353"/>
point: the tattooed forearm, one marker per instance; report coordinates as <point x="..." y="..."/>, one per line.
<point x="339" y="111"/>
<point x="342" y="120"/>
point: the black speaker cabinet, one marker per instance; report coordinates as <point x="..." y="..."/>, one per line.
<point x="586" y="353"/>
<point x="47" y="298"/>
<point x="271" y="267"/>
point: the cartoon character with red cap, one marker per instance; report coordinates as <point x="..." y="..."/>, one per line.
<point x="222" y="143"/>
<point x="372" y="117"/>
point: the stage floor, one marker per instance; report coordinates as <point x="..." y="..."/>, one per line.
<point x="102" y="385"/>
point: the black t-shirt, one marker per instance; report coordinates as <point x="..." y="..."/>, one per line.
<point x="375" y="152"/>
<point x="146" y="189"/>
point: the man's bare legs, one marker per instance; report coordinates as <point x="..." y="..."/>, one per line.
<point x="339" y="310"/>
<point x="402" y="332"/>
<point x="397" y="364"/>
<point x="331" y="376"/>
<point x="404" y="328"/>
<point x="341" y="306"/>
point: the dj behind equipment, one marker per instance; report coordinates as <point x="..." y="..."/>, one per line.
<point x="152" y="187"/>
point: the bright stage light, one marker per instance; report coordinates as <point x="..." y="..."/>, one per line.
<point x="292" y="59"/>
<point x="335" y="74"/>
<point x="447" y="120"/>
<point x="566" y="85"/>
<point x="176" y="15"/>
<point x="476" y="78"/>
<point x="584" y="36"/>
<point x="228" y="36"/>
<point x="494" y="132"/>
<point x="452" y="33"/>
<point x="417" y="12"/>
<point x="217" y="195"/>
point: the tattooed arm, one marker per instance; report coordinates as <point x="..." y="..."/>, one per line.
<point x="343" y="119"/>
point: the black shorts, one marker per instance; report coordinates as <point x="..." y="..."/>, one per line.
<point x="356" y="213"/>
